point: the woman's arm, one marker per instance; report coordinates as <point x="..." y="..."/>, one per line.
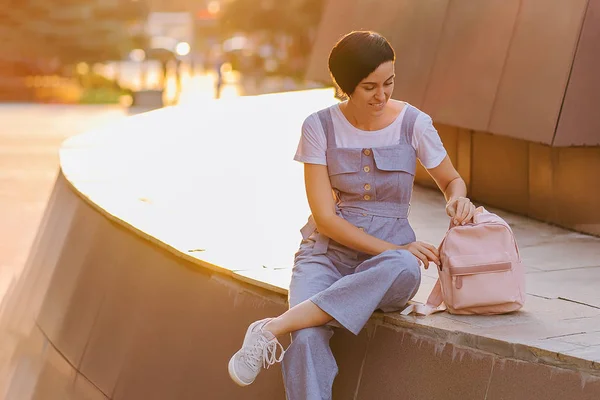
<point x="458" y="206"/>
<point x="322" y="206"/>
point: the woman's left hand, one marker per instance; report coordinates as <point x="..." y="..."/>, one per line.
<point x="461" y="210"/>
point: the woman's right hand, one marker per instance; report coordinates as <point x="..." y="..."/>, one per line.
<point x="424" y="252"/>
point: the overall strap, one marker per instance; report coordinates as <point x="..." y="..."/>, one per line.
<point x="327" y="123"/>
<point x="408" y="124"/>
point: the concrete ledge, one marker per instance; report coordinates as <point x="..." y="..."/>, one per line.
<point x="141" y="286"/>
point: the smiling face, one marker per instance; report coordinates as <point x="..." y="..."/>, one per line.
<point x="373" y="92"/>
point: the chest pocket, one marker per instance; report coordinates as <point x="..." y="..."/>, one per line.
<point x="344" y="166"/>
<point x="396" y="168"/>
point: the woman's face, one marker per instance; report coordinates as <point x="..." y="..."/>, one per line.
<point x="373" y="92"/>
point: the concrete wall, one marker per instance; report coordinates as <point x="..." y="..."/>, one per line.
<point x="117" y="316"/>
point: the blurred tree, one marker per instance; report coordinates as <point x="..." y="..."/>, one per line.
<point x="60" y="32"/>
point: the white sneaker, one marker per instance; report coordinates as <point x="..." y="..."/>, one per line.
<point x="259" y="350"/>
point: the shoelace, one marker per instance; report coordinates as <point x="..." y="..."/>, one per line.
<point x="266" y="350"/>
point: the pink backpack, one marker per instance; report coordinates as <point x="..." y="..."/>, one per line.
<point x="481" y="271"/>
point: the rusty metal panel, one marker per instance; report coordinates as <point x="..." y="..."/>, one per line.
<point x="468" y="66"/>
<point x="546" y="382"/>
<point x="579" y="123"/>
<point x="537" y="68"/>
<point x="499" y="171"/>
<point x="416" y="359"/>
<point x="576" y="174"/>
<point x="542" y="199"/>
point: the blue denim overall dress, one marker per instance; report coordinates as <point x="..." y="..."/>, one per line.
<point x="373" y="187"/>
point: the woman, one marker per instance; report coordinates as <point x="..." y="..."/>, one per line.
<point x="358" y="252"/>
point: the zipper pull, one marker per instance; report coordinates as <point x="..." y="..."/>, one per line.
<point x="458" y="283"/>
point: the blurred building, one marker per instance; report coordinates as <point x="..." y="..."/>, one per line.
<point x="512" y="86"/>
<point x="203" y="15"/>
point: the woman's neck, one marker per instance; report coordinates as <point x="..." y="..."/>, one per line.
<point x="361" y="119"/>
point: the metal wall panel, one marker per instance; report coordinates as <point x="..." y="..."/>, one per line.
<point x="415" y="36"/>
<point x="537" y="68"/>
<point x="337" y="19"/>
<point x="579" y="123"/>
<point x="498" y="66"/>
<point x="469" y="63"/>
<point x="413" y="27"/>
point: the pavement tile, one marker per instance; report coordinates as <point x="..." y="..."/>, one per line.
<point x="566" y="254"/>
<point x="588" y="339"/>
<point x="579" y="285"/>
<point x="555" y="345"/>
<point x="591" y="353"/>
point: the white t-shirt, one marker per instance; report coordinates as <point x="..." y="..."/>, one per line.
<point x="313" y="143"/>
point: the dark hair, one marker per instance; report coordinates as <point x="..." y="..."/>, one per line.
<point x="355" y="56"/>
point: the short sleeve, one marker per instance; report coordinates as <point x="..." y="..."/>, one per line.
<point x="313" y="143"/>
<point x="427" y="142"/>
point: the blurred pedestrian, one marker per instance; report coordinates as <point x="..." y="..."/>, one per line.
<point x="219" y="79"/>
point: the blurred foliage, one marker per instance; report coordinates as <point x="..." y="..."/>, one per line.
<point x="102" y="96"/>
<point x="52" y="33"/>
<point x="98" y="89"/>
<point x="92" y="80"/>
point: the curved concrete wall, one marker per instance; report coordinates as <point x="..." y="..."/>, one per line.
<point x="113" y="305"/>
<point x="123" y="318"/>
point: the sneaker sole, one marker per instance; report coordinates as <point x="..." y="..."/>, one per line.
<point x="232" y="374"/>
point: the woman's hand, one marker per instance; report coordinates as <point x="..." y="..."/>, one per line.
<point x="461" y="210"/>
<point x="424" y="252"/>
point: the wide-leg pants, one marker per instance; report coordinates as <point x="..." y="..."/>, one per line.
<point x="349" y="287"/>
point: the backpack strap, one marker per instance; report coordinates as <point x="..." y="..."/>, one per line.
<point x="435" y="303"/>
